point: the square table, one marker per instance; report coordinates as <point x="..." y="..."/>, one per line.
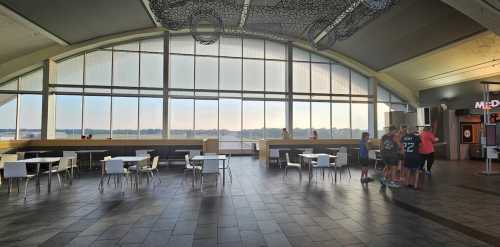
<point x="42" y="160"/>
<point x="214" y="157"/>
<point x="90" y="151"/>
<point x="315" y="156"/>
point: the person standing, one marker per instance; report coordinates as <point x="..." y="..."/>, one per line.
<point x="412" y="160"/>
<point x="363" y="156"/>
<point x="284" y="134"/>
<point x="390" y="152"/>
<point x="427" y="148"/>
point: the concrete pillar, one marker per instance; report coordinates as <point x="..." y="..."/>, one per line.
<point x="166" y="61"/>
<point x="289" y="81"/>
<point x="48" y="101"/>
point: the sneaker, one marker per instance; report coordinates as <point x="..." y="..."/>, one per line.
<point x="429" y="173"/>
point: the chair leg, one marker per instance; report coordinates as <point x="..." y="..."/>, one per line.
<point x="26" y="188"/>
<point x="10" y="184"/>
<point x="59" y="180"/>
<point x="349" y="170"/>
<point x="17" y="184"/>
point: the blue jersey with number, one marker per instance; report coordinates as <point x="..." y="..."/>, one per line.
<point x="410" y="143"/>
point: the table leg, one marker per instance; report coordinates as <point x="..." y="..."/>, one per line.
<point x="90" y="160"/>
<point x="223" y="172"/>
<point x="71" y="172"/>
<point x="310" y="170"/>
<point x="38" y="177"/>
<point x="50" y="178"/>
<point x="101" y="183"/>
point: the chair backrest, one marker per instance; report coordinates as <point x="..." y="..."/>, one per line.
<point x="193" y="153"/>
<point x="15" y="170"/>
<point x="64" y="163"/>
<point x="4" y="158"/>
<point x="343" y="149"/>
<point x="372" y="154"/>
<point x="307" y="151"/>
<point x="20" y="155"/>
<point x="287" y="158"/>
<point x="154" y="165"/>
<point x="274" y="153"/>
<point x="142" y="153"/>
<point x="69" y="154"/>
<point x="188" y="163"/>
<point x="210" y="154"/>
<point x="210" y="166"/>
<point x="106" y="158"/>
<point x="114" y="167"/>
<point x="341" y="159"/>
<point x="323" y="160"/>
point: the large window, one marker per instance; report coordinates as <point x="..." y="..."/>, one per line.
<point x="68" y="117"/>
<point x="8" y="111"/>
<point x="97" y="116"/>
<point x="386" y="103"/>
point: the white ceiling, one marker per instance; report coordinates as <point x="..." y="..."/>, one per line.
<point x="16" y="39"/>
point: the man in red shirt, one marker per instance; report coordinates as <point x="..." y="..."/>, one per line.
<point x="427" y="148"/>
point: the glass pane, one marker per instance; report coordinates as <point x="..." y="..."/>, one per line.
<point x="253" y="120"/>
<point x="395" y="99"/>
<point x="68" y="117"/>
<point x="383" y="95"/>
<point x="253" y="48"/>
<point x="70" y="71"/>
<point x="98" y="68"/>
<point x="253" y="75"/>
<point x="9" y="85"/>
<point x="126" y="69"/>
<point x="301" y="120"/>
<point x="275" y="50"/>
<point x="30" y="116"/>
<point x="212" y="49"/>
<point x="230" y="122"/>
<point x="300" y="55"/>
<point x="301" y="77"/>
<point x="340" y="79"/>
<point x="134" y="46"/>
<point x="150" y="118"/>
<point x="152" y="45"/>
<point x="181" y="72"/>
<point x="341" y="126"/>
<point x="32" y="81"/>
<point x="206" y="73"/>
<point x="96" y="116"/>
<point x="319" y="59"/>
<point x="151" y="70"/>
<point x="206" y="119"/>
<point x="399" y="107"/>
<point x="124" y="119"/>
<point x="8" y="111"/>
<point x="182" y="44"/>
<point x="275" y="76"/>
<point x="320" y="76"/>
<point x="230" y="74"/>
<point x="359" y="84"/>
<point x="320" y="119"/>
<point x="275" y="119"/>
<point x="382" y="118"/>
<point x="360" y="120"/>
<point x="180" y="117"/>
<point x="230" y="47"/>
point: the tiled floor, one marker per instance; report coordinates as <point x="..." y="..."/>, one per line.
<point x="259" y="208"/>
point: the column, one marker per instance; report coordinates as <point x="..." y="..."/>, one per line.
<point x="289" y="81"/>
<point x="166" y="60"/>
<point x="48" y="100"/>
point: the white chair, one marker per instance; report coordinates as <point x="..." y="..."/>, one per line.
<point x="322" y="163"/>
<point x="372" y="155"/>
<point x="18" y="171"/>
<point x="193" y="153"/>
<point x="149" y="170"/>
<point x="116" y="169"/>
<point x="210" y="167"/>
<point x="190" y="168"/>
<point x="228" y="167"/>
<point x="73" y="159"/>
<point x="292" y="165"/>
<point x="341" y="162"/>
<point x="4" y="158"/>
<point x="307" y="151"/>
<point x="62" y="167"/>
<point x="20" y="155"/>
<point x="140" y="153"/>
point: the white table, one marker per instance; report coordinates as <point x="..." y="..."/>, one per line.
<point x="90" y="154"/>
<point x="315" y="156"/>
<point x="214" y="157"/>
<point x="42" y="160"/>
<point x="125" y="159"/>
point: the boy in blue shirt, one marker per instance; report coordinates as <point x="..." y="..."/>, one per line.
<point x="363" y="156"/>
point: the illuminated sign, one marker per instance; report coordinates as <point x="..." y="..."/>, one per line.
<point x="487" y="105"/>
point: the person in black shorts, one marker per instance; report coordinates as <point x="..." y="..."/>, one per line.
<point x="390" y="152"/>
<point x="412" y="159"/>
<point x="363" y="156"/>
